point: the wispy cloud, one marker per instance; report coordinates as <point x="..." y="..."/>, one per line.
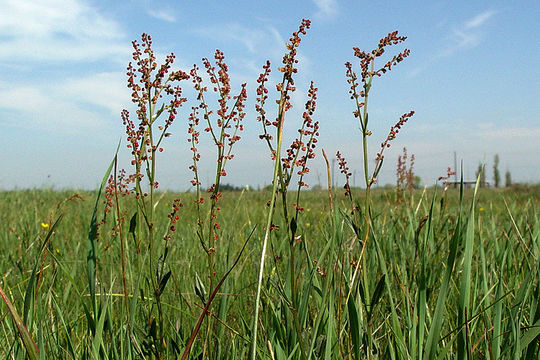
<point x="480" y="19"/>
<point x="37" y="33"/>
<point x="105" y="90"/>
<point x="38" y="107"/>
<point x="466" y="35"/>
<point x="57" y="30"/>
<point x="460" y="39"/>
<point x="165" y="15"/>
<point x="326" y="8"/>
<point x="72" y="105"/>
<point x="248" y="37"/>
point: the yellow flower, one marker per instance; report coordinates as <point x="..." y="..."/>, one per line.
<point x="45" y="226"/>
<point x="481" y="209"/>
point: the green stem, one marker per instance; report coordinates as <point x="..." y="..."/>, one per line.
<point x="277" y="169"/>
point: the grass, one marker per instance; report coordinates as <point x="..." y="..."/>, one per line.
<point x="415" y="304"/>
<point x="131" y="272"/>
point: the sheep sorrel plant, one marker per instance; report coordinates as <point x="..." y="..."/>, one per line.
<point x="405" y="179"/>
<point x="361" y="96"/>
<point x="145" y="141"/>
<point x="360" y="219"/>
<point x="293" y="164"/>
<point x="224" y="132"/>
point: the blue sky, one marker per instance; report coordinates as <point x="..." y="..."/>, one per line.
<point x="472" y="78"/>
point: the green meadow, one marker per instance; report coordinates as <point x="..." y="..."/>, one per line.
<point x="442" y="275"/>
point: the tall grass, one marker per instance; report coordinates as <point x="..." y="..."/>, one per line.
<point x="502" y="318"/>
<point x="131" y="272"/>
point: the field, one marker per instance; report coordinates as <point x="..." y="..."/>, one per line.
<point x="437" y="272"/>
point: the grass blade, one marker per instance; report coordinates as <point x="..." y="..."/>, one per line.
<point x="91" y="257"/>
<point x="465" y="289"/>
<point x="438" y="314"/>
<point x="354" y="327"/>
<point x="28" y="342"/>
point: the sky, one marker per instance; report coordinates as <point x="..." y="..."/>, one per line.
<point x="472" y="79"/>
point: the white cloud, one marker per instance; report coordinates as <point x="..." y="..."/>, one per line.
<point x="71" y="106"/>
<point x="326" y="8"/>
<point x="466" y="35"/>
<point x="57" y="30"/>
<point x="38" y="108"/>
<point x="463" y="40"/>
<point x="479" y="19"/>
<point x="277" y="36"/>
<point x="250" y="38"/>
<point x="45" y="31"/>
<point x="264" y="43"/>
<point x="107" y="90"/>
<point x="165" y="15"/>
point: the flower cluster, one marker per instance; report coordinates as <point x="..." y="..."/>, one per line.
<point x="289" y="59"/>
<point x="224" y="126"/>
<point x="262" y="96"/>
<point x="301" y="148"/>
<point x="283" y="88"/>
<point x="153" y="84"/>
<point x="344" y="169"/>
<point x="449" y="173"/>
<point x="145" y="61"/>
<point x="360" y="94"/>
<point x="117" y="186"/>
<point x="367" y="58"/>
<point x="342" y="163"/>
<point x="319" y="269"/>
<point x="173" y="216"/>
<point x="404" y="175"/>
<point x="367" y="66"/>
<point x="120" y="185"/>
<point x="229" y="119"/>
<point x="394" y="130"/>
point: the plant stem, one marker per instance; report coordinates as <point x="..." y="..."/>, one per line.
<point x="122" y="246"/>
<point x="277" y="167"/>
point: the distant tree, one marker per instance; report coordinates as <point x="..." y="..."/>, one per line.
<point x="496" y="175"/>
<point x="482" y="174"/>
<point x="417" y="182"/>
<point x="507" y="179"/>
<point x="229" y="187"/>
